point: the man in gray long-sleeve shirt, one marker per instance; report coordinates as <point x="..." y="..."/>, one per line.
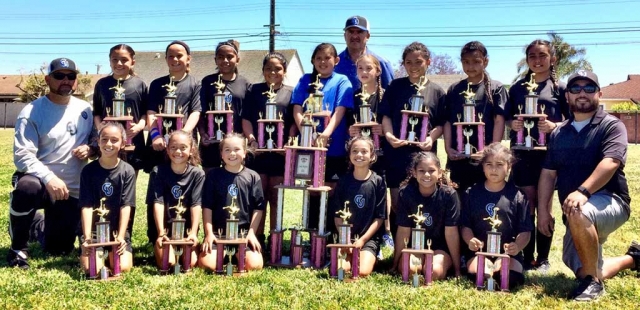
<point x="51" y="146"/>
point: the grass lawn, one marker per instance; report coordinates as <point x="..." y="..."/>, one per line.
<point x="57" y="282"/>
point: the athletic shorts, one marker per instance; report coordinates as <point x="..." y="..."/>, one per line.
<point x="607" y="212"/>
<point x="335" y="168"/>
<point x="526" y="170"/>
<point x="268" y="163"/>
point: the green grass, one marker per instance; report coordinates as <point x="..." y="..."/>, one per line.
<point x="57" y="282"/>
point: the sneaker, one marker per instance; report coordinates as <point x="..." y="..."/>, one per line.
<point x="529" y="265"/>
<point x="17" y="259"/>
<point x="588" y="290"/>
<point x="634" y="251"/>
<point x="543" y="267"/>
<point x="388" y="240"/>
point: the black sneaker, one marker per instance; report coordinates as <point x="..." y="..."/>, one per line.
<point x="588" y="290"/>
<point x="529" y="265"/>
<point x="17" y="259"/>
<point x="634" y="251"/>
<point x="543" y="267"/>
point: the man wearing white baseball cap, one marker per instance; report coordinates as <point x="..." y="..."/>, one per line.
<point x="356" y="35"/>
<point x="51" y="147"/>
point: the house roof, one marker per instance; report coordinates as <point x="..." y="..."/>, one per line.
<point x="151" y="65"/>
<point x="629" y="89"/>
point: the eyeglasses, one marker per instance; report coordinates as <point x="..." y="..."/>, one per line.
<point x="60" y="76"/>
<point x="589" y="89"/>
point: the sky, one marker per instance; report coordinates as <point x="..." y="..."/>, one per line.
<point x="35" y="32"/>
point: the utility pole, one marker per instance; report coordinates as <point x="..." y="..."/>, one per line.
<point x="272" y="27"/>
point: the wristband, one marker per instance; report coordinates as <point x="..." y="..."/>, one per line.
<point x="154" y="134"/>
<point x="583" y="190"/>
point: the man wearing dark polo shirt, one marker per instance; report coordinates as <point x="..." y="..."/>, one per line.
<point x="585" y="160"/>
<point x="356" y="35"/>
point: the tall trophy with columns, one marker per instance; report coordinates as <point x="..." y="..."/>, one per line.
<point x="533" y="112"/>
<point x="468" y="124"/>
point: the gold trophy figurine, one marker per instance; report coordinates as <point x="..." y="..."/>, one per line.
<point x="344" y="213"/>
<point x="364" y="96"/>
<point x="180" y="210"/>
<point x="468" y="94"/>
<point x="531" y="85"/>
<point x="118" y="90"/>
<point x="421" y="85"/>
<point x="317" y="85"/>
<point x="219" y="85"/>
<point x="271" y="95"/>
<point x="418" y="217"/>
<point x="102" y="211"/>
<point x="494" y="221"/>
<point x="171" y="87"/>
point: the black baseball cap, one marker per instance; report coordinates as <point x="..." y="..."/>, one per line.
<point x="357" y="21"/>
<point x="62" y="64"/>
<point x="583" y="75"/>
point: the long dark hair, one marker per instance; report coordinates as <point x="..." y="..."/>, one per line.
<point x="194" y="154"/>
<point x="552" y="68"/>
<point x="479" y="47"/>
<point x="276" y="55"/>
<point x="186" y="48"/>
<point x="129" y="50"/>
<point x="416" y="47"/>
<point x="235" y="45"/>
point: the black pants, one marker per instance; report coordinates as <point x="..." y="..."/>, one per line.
<point x="61" y="220"/>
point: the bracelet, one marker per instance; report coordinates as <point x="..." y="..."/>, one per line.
<point x="583" y="190"/>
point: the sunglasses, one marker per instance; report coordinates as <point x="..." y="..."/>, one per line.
<point x="60" y="76"/>
<point x="589" y="89"/>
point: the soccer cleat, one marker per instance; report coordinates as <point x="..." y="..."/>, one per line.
<point x="543" y="267"/>
<point x="17" y="259"/>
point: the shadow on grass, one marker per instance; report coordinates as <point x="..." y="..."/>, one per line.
<point x="556" y="285"/>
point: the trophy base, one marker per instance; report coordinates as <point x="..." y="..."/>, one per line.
<point x="269" y="120"/>
<point x="169" y="115"/>
<point x="269" y="150"/>
<point x="468" y="123"/>
<point x="414" y="112"/>
<point x="129" y="148"/>
<point x="118" y="119"/>
<point x="524" y="148"/>
<point x="531" y="115"/>
<point x="219" y="112"/>
<point x="365" y="125"/>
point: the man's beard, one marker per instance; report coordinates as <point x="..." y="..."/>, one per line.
<point x="590" y="107"/>
<point x="62" y="90"/>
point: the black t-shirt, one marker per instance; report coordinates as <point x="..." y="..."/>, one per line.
<point x="367" y="201"/>
<point x="575" y="155"/>
<point x="441" y="209"/>
<point x="136" y="97"/>
<point x="513" y="206"/>
<point x="397" y="95"/>
<point x="221" y="185"/>
<point x="255" y="102"/>
<point x="167" y="187"/>
<point x="117" y="185"/>
<point x="556" y="106"/>
<point x="455" y="106"/>
<point x="235" y="93"/>
<point x="187" y="96"/>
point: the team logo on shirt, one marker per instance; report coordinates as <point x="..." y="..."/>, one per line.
<point x="176" y="191"/>
<point x="107" y="189"/>
<point x="228" y="97"/>
<point x="233" y="190"/>
<point x="72" y="129"/>
<point x="428" y="219"/>
<point x="359" y="200"/>
<point x="84" y="115"/>
<point x="489" y="208"/>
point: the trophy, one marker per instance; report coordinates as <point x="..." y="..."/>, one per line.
<point x="232" y="221"/>
<point x="529" y="117"/>
<point x="171" y="110"/>
<point x="271" y="107"/>
<point x="170" y="98"/>
<point x="231" y="240"/>
<point x="229" y="252"/>
<point x="342" y="257"/>
<point x="220" y="111"/>
<point x="178" y="223"/>
<point x="417" y="250"/>
<point x="317" y="98"/>
<point x="365" y="107"/>
<point x="167" y="126"/>
<point x="412" y="114"/>
<point x="98" y="248"/>
<point x="493" y="250"/>
<point x="415" y="265"/>
<point x="344" y="229"/>
<point x="270" y="123"/>
<point x="467" y="122"/>
<point x="342" y="245"/>
<point x="119" y="111"/>
<point x="270" y="129"/>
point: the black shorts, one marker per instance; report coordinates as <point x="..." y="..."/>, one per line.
<point x="335" y="168"/>
<point x="465" y="173"/>
<point x="210" y="155"/>
<point x="397" y="169"/>
<point x="267" y="163"/>
<point x="527" y="168"/>
<point x="372" y="246"/>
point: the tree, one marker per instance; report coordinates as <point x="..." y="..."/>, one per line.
<point x="441" y="64"/>
<point x="569" y="59"/>
<point x="34" y="86"/>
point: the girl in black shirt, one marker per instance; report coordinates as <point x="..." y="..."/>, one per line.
<point x="270" y="165"/>
<point x="429" y="186"/>
<point x="367" y="196"/>
<point x="122" y="59"/>
<point x="486" y="198"/>
<point x="236" y="87"/>
<point x="111" y="181"/>
<point x="222" y="184"/>
<point x="178" y="183"/>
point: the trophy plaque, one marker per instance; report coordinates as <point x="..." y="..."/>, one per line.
<point x="171" y="111"/>
<point x="220" y="112"/>
<point x="530" y="117"/>
<point x="119" y="112"/>
<point x="493" y="250"/>
<point x="417" y="250"/>
<point x="99" y="246"/>
<point x="414" y="113"/>
<point x="342" y="245"/>
<point x="467" y="125"/>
